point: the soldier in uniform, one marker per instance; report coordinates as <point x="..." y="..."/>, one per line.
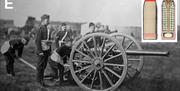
<point x="107" y="30"/>
<point x="43" y="47"/>
<point x="62" y="36"/>
<point x="12" y="46"/>
<point x="92" y="28"/>
<point x="63" y="42"/>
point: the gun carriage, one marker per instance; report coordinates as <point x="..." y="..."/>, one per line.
<point x="101" y="62"/>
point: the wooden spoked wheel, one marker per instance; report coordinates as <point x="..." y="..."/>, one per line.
<point x="135" y="62"/>
<point x="98" y="62"/>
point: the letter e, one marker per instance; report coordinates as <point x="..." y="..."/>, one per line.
<point x="8" y="3"/>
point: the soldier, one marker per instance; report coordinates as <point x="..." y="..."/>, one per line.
<point x="9" y="49"/>
<point x="98" y="26"/>
<point x="62" y="38"/>
<point x="107" y="30"/>
<point x="92" y="28"/>
<point x="43" y="47"/>
<point x="58" y="58"/>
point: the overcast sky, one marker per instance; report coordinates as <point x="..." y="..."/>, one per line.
<point x="113" y="12"/>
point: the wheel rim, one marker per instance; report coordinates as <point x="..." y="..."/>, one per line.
<point x="93" y="64"/>
<point x="135" y="63"/>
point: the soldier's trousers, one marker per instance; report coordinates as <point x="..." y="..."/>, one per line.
<point x="9" y="63"/>
<point x="41" y="65"/>
<point x="57" y="69"/>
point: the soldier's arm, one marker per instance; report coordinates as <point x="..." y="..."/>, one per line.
<point x="20" y="50"/>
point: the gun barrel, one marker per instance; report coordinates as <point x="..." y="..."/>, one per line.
<point x="147" y="53"/>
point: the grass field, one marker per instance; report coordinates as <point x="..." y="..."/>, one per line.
<point x="158" y="74"/>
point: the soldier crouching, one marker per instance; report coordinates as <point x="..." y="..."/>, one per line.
<point x="9" y="49"/>
<point x="58" y="59"/>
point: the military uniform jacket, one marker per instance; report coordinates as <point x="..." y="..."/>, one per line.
<point x="42" y="34"/>
<point x="16" y="44"/>
<point x="60" y="35"/>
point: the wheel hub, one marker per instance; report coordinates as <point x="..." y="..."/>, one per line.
<point x="98" y="63"/>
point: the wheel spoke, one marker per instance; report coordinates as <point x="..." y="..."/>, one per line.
<point x="86" y="67"/>
<point x="95" y="46"/>
<point x="81" y="46"/>
<point x="123" y="40"/>
<point x="88" y="48"/>
<point x="79" y="61"/>
<point x="94" y="75"/>
<point x="112" y="72"/>
<point x="86" y="76"/>
<point x="110" y="64"/>
<point x="102" y="47"/>
<point x="134" y="63"/>
<point x="113" y="57"/>
<point x="83" y="54"/>
<point x="101" y="83"/>
<point x="109" y="50"/>
<point x="107" y="77"/>
<point x="129" y="45"/>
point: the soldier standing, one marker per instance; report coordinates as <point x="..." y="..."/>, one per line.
<point x="43" y="47"/>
